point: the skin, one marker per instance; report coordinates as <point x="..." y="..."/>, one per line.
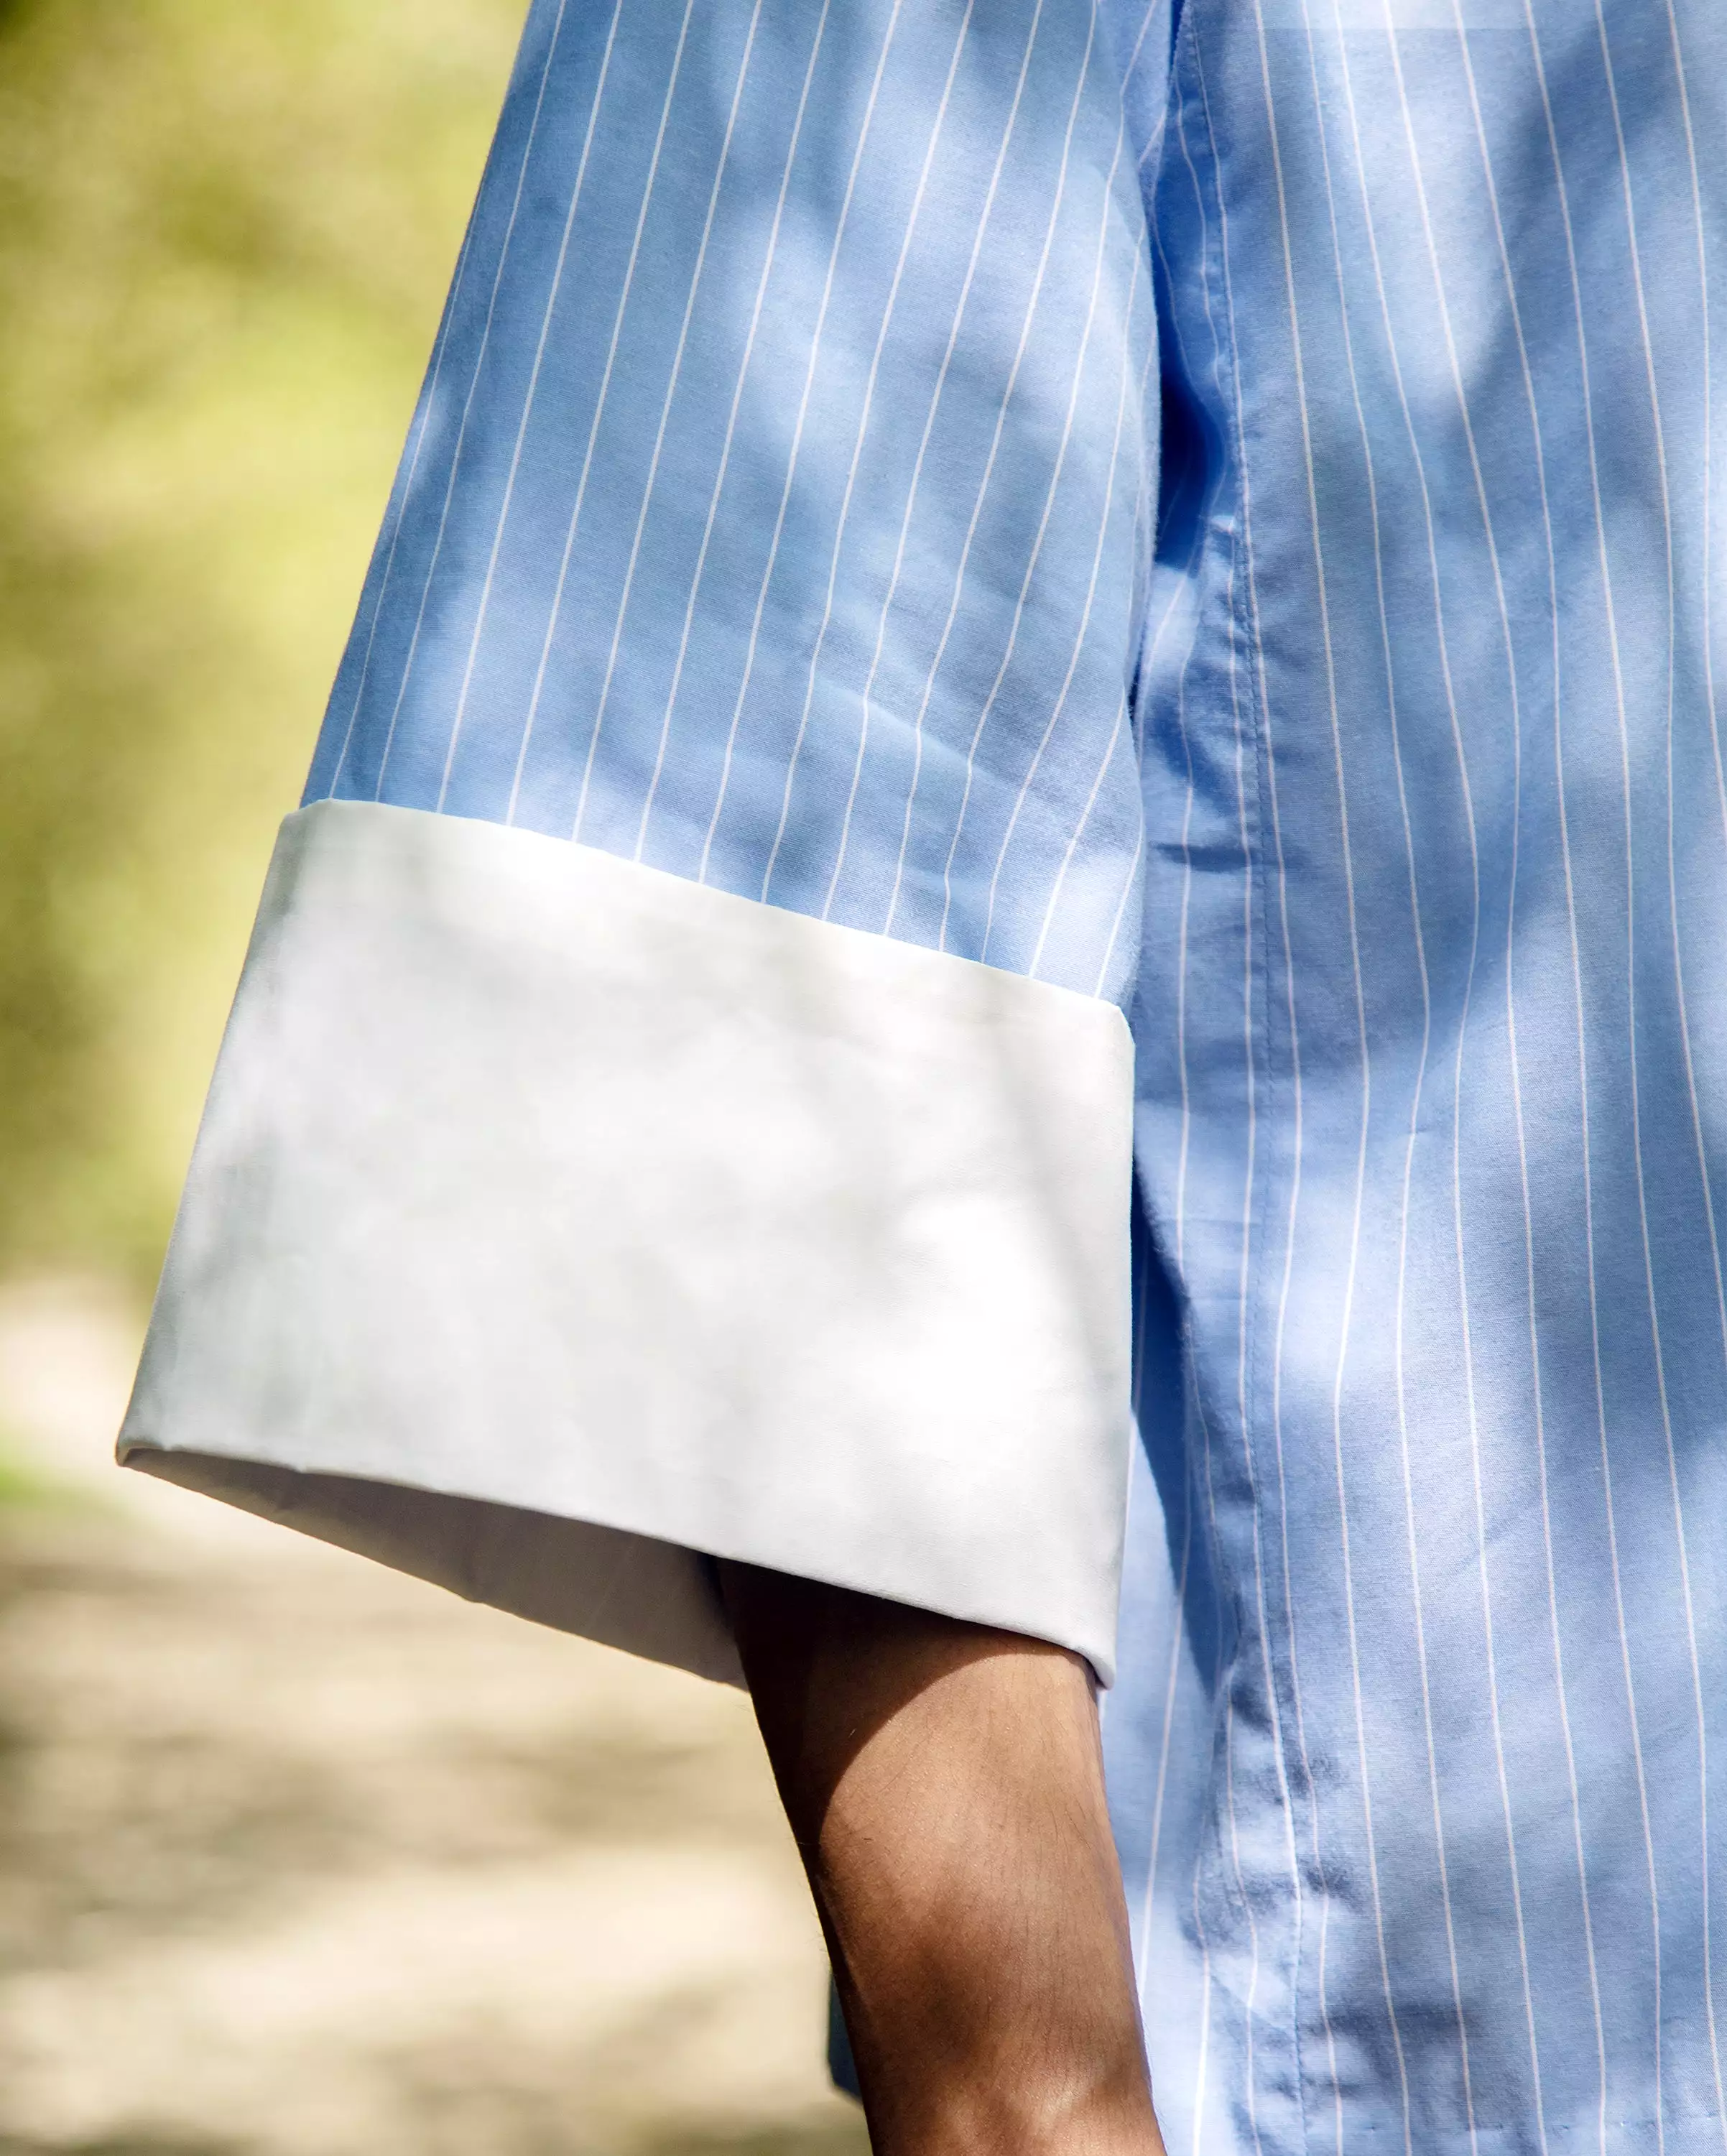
<point x="945" y="1784"/>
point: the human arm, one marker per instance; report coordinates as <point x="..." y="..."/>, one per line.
<point x="945" y="1784"/>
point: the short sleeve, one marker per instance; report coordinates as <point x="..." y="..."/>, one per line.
<point x="678" y="1102"/>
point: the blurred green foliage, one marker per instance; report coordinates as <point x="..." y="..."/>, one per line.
<point x="225" y="231"/>
<point x="22" y="1486"/>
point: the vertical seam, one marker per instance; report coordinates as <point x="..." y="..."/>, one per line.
<point x="1258" y="968"/>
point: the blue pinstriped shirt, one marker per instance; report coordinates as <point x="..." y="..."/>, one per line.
<point x="1214" y="508"/>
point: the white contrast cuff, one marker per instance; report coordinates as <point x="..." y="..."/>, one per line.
<point x="557" y="1223"/>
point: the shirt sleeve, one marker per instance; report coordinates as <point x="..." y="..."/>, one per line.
<point x="678" y="1101"/>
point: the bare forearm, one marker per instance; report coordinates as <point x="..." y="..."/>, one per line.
<point x="945" y="1784"/>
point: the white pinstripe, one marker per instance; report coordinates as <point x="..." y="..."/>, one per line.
<point x="1249" y="1065"/>
<point x="528" y="401"/>
<point x="1122" y="727"/>
<point x="1083" y="823"/>
<point x="593" y="430"/>
<point x="1538" y="1388"/>
<point x="1642" y="315"/>
<point x="1151" y="155"/>
<point x="1097" y="562"/>
<point x="1295" y="1190"/>
<point x="1080" y="828"/>
<point x="768" y="259"/>
<point x="1150" y="16"/>
<point x="859" y="439"/>
<point x="1432" y="551"/>
<point x="416" y="441"/>
<point x="1504" y="257"/>
<point x="1369" y="464"/>
<point x="480" y="360"/>
<point x="983" y="222"/>
<point x="1272" y="1709"/>
<point x="1146" y="538"/>
<point x="845" y="506"/>
<point x="863" y="432"/>
<point x="600" y="402"/>
<point x="1709" y="676"/>
<point x="809" y="376"/>
<point x="982" y="491"/>
<point x="1251" y="2013"/>
<point x="1012" y="645"/>
<point x="1322" y="585"/>
<point x="1134" y="870"/>
<point x="1135" y="867"/>
<point x="720" y="165"/>
<point x="1528" y="378"/>
<point x="521" y="754"/>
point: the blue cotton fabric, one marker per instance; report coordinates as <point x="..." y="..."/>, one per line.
<point x="1212" y="508"/>
<point x="778" y="510"/>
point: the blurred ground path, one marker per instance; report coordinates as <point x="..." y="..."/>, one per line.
<point x="298" y="1858"/>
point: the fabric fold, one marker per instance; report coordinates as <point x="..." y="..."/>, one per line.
<point x="556" y="1223"/>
